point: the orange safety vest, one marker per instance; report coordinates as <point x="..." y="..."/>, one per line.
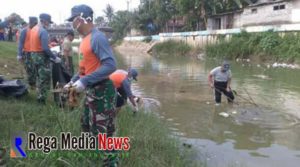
<point x="90" y="62"/>
<point x="17" y="35"/>
<point x="118" y="77"/>
<point x="35" y="41"/>
<point x="27" y="41"/>
<point x="81" y="68"/>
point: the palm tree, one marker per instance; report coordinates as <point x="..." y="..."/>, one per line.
<point x="109" y="12"/>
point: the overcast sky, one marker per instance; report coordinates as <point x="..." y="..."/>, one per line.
<point x="59" y="9"/>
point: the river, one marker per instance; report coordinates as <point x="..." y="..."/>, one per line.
<point x="262" y="129"/>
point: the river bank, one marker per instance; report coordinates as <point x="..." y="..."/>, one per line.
<point x="268" y="49"/>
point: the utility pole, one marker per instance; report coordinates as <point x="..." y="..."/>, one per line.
<point x="129" y="27"/>
<point x="128" y="5"/>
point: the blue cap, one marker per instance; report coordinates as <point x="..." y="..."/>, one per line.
<point x="133" y="72"/>
<point x="81" y="10"/>
<point x="46" y="17"/>
<point x="33" y="20"/>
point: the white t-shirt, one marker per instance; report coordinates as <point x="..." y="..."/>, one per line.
<point x="220" y="76"/>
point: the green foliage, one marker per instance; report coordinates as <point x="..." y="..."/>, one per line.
<point x="173" y="48"/>
<point x="159" y="12"/>
<point x="109" y="12"/>
<point x="269" y="41"/>
<point x="99" y="20"/>
<point x="121" y="24"/>
<point x="289" y="48"/>
<point x="244" y="45"/>
<point x="197" y="11"/>
<point x="147" y="39"/>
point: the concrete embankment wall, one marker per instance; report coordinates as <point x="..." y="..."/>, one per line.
<point x="202" y="38"/>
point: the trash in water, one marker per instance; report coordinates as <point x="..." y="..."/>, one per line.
<point x="224" y="114"/>
<point x="262" y="76"/>
<point x="244" y="112"/>
<point x="170" y="119"/>
<point x="207" y="102"/>
<point x="187" y="145"/>
<point x="182" y="91"/>
<point x="177" y="124"/>
<point x="234" y="112"/>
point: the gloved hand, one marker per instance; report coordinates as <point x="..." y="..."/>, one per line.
<point x="57" y="60"/>
<point x="19" y="58"/>
<point x="79" y="87"/>
<point x="136" y="109"/>
<point x="68" y="85"/>
<point x="136" y="99"/>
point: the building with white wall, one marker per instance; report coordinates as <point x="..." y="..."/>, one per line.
<point x="262" y="12"/>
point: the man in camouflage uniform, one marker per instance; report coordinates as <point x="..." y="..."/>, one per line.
<point x="24" y="52"/>
<point x="96" y="65"/>
<point x="41" y="56"/>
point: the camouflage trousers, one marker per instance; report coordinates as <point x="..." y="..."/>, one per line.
<point x="99" y="109"/>
<point x="68" y="64"/>
<point x="99" y="115"/>
<point x="43" y="73"/>
<point x="30" y="70"/>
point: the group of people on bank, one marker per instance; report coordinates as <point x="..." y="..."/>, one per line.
<point x="106" y="88"/>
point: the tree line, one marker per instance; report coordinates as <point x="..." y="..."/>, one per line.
<point x="152" y="16"/>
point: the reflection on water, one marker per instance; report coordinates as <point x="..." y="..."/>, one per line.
<point x="263" y="125"/>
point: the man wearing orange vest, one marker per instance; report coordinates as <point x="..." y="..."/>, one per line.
<point x="96" y="65"/>
<point x="24" y="51"/>
<point x="41" y="56"/>
<point x="121" y="80"/>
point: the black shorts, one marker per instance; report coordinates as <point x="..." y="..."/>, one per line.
<point x="121" y="97"/>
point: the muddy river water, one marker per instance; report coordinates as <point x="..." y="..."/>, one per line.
<point x="262" y="128"/>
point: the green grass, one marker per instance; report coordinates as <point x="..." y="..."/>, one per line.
<point x="150" y="139"/>
<point x="150" y="143"/>
<point x="267" y="45"/>
<point x="171" y="48"/>
<point x="7" y="49"/>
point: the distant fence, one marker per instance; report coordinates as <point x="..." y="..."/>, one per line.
<point x="202" y="38"/>
<point x="61" y="32"/>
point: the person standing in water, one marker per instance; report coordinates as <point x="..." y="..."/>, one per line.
<point x="220" y="79"/>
